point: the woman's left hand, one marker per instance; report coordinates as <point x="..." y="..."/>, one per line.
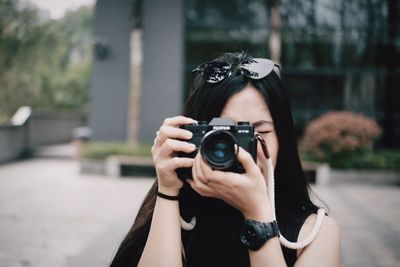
<point x="246" y="192"/>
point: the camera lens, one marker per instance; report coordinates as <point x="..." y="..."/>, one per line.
<point x="218" y="149"/>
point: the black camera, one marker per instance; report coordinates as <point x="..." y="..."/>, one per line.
<point x="218" y="143"/>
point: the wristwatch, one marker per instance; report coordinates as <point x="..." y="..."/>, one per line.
<point x="254" y="234"/>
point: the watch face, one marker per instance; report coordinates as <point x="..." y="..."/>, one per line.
<point x="254" y="234"/>
<point x="249" y="234"/>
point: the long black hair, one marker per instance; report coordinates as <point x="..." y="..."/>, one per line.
<point x="214" y="240"/>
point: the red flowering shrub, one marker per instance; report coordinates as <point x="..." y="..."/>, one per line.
<point x="338" y="133"/>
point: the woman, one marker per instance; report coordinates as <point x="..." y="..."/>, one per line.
<point x="243" y="89"/>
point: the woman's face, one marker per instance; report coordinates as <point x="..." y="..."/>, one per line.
<point x="249" y="105"/>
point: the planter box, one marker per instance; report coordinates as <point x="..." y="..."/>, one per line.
<point x="365" y="176"/>
<point x="316" y="173"/>
<point x="119" y="166"/>
<point x="91" y="166"/>
<point x="323" y="174"/>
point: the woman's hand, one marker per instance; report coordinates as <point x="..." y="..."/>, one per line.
<point x="247" y="191"/>
<point x="166" y="144"/>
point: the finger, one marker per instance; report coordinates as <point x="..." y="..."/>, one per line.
<point x="178" y="162"/>
<point x="171" y="146"/>
<point x="177" y="121"/>
<point x="194" y="170"/>
<point x="170" y="165"/>
<point x="200" y="187"/>
<point x="215" y="176"/>
<point x="197" y="174"/>
<point x="157" y="141"/>
<point x="247" y="160"/>
<point x="193" y="186"/>
<point x="156" y="145"/>
<point x="198" y="171"/>
<point x="166" y="132"/>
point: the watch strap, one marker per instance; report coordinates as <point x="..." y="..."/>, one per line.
<point x="271" y="229"/>
<point x="266" y="231"/>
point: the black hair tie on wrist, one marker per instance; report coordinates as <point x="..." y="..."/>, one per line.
<point x="158" y="193"/>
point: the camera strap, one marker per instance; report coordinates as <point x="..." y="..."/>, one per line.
<point x="271" y="196"/>
<point x="188" y="226"/>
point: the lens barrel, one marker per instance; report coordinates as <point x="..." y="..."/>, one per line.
<point x="218" y="149"/>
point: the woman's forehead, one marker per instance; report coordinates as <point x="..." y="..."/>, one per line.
<point x="247" y="105"/>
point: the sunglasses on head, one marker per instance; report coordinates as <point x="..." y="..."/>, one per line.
<point x="253" y="68"/>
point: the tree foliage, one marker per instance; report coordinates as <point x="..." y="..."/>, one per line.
<point x="45" y="65"/>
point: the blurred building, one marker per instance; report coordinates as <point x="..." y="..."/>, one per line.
<point x="336" y="55"/>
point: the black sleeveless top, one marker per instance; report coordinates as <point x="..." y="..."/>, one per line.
<point x="214" y="242"/>
<point x="291" y="232"/>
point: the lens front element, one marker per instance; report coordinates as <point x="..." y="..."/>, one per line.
<point x="218" y="149"/>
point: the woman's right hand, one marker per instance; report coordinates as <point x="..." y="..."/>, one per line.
<point x="166" y="145"/>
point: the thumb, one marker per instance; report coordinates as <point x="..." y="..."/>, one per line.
<point x="247" y="160"/>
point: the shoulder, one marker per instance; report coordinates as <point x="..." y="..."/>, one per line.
<point x="327" y="240"/>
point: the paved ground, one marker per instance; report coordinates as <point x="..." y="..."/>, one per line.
<point x="51" y="216"/>
<point x="369" y="216"/>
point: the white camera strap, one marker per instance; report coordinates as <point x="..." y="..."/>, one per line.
<point x="271" y="196"/>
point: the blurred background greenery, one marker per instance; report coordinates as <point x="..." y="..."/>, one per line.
<point x="44" y="64"/>
<point x="335" y="55"/>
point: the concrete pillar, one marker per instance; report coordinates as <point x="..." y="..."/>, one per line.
<point x="110" y="84"/>
<point x="163" y="63"/>
<point x="360" y="93"/>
